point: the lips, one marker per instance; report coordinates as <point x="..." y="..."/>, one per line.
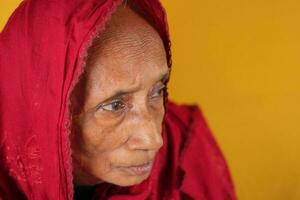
<point x="139" y="169"/>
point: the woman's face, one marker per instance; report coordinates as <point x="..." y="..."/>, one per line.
<point x="117" y="133"/>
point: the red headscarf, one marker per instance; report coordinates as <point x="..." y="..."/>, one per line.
<point x="42" y="53"/>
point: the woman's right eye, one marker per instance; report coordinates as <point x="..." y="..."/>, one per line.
<point x="114" y="106"/>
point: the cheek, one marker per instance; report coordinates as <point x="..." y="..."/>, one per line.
<point x="94" y="147"/>
<point x="95" y="137"/>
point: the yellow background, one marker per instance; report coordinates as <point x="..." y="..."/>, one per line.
<point x="239" y="59"/>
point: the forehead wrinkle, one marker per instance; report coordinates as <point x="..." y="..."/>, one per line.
<point x="98" y="81"/>
<point x="128" y="33"/>
<point x="127" y="45"/>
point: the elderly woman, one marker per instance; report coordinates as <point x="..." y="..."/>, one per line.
<point x="84" y="108"/>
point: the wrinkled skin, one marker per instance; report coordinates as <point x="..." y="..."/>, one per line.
<point x="111" y="132"/>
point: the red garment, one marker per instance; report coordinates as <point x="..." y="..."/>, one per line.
<point x="42" y="53"/>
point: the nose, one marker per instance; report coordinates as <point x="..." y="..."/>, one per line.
<point x="146" y="134"/>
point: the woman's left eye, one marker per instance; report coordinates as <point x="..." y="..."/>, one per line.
<point x="160" y="92"/>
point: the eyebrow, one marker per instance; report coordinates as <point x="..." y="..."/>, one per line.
<point x="119" y="93"/>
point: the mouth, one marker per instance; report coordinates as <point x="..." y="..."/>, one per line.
<point x="139" y="169"/>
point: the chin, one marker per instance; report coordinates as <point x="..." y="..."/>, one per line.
<point x="128" y="180"/>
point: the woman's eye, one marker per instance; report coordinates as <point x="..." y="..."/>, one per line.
<point x="114" y="106"/>
<point x="160" y="92"/>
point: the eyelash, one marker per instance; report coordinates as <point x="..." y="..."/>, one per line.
<point x="121" y="103"/>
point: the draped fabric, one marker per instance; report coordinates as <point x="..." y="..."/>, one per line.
<point x="43" y="49"/>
